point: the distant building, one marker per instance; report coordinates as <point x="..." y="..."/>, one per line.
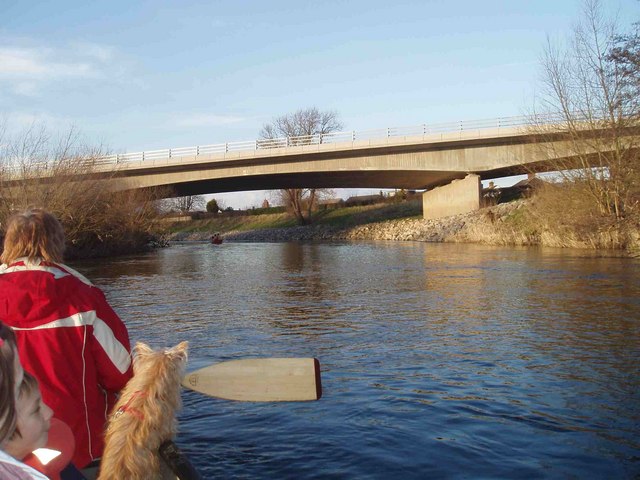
<point x="493" y="194"/>
<point x="265" y="204"/>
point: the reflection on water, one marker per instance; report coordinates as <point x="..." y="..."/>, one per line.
<point x="438" y="360"/>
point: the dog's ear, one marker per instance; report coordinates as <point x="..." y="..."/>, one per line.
<point x="180" y="351"/>
<point x="142" y="349"/>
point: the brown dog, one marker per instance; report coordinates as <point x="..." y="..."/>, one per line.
<point x="145" y="416"/>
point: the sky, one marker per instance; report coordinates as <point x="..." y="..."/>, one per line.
<point x="145" y="75"/>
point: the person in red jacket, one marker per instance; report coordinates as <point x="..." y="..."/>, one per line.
<point x="68" y="336"/>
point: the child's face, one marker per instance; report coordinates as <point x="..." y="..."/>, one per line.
<point x="33" y="424"/>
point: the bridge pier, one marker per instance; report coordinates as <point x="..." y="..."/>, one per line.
<point x="460" y="196"/>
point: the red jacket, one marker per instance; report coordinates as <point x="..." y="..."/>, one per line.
<point x="72" y="341"/>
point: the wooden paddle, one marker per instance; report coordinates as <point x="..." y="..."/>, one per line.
<point x="259" y="380"/>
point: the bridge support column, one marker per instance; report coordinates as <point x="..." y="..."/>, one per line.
<point x="460" y="196"/>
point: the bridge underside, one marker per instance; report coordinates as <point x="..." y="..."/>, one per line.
<point x="410" y="180"/>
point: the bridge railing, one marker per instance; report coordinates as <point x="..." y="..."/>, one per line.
<point x="328" y="138"/>
<point x="317" y="139"/>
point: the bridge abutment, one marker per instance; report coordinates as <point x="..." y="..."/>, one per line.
<point x="460" y="196"/>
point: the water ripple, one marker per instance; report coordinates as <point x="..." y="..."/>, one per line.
<point x="438" y="361"/>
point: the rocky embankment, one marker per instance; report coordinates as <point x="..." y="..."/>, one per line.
<point x="480" y="226"/>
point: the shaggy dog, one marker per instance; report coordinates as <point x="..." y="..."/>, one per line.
<point x="145" y="416"/>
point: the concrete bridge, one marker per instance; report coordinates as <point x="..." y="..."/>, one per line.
<point x="451" y="156"/>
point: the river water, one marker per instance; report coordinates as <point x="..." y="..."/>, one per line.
<point x="438" y="360"/>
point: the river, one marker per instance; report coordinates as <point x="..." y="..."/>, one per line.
<point x="438" y="360"/>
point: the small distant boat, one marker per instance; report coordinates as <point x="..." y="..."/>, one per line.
<point x="216" y="239"/>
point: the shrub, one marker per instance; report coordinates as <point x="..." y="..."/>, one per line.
<point x="212" y="206"/>
<point x="63" y="177"/>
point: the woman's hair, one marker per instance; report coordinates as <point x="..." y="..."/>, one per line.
<point x="28" y="386"/>
<point x="8" y="352"/>
<point x="33" y="233"/>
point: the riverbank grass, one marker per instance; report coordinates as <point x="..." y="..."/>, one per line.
<point x="342" y="217"/>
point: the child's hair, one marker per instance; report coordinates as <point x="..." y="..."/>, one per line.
<point x="8" y="352"/>
<point x="28" y="386"/>
<point x="33" y="233"/>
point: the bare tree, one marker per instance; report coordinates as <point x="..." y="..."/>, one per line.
<point x="595" y="93"/>
<point x="299" y="127"/>
<point x="304" y="122"/>
<point x="61" y="175"/>
<point x="188" y="203"/>
<point x="626" y="55"/>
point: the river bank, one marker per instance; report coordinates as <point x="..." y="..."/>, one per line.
<point x="503" y="224"/>
<point x="477" y="226"/>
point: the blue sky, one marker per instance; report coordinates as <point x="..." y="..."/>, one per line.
<point x="143" y="75"/>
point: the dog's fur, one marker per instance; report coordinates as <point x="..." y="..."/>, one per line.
<point x="145" y="416"/>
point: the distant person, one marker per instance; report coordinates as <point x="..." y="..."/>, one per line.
<point x="216" y="239"/>
<point x="68" y="336"/>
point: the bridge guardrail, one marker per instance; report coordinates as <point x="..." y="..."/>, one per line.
<point x="317" y="139"/>
<point x="327" y="138"/>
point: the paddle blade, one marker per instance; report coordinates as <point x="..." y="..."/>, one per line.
<point x="259" y="380"/>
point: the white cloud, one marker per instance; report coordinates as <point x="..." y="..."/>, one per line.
<point x="26" y="70"/>
<point x="206" y="120"/>
<point x="19" y="62"/>
<point x="40" y="64"/>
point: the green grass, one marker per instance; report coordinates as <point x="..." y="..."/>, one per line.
<point x="226" y="224"/>
<point x="338" y="217"/>
<point x="352" y="216"/>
